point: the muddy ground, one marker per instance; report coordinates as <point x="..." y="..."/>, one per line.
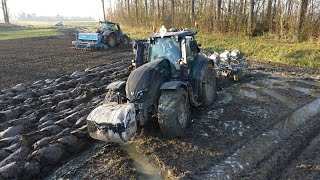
<point x="264" y="127"/>
<point x="32" y="59"/>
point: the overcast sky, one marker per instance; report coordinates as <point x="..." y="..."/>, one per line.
<point x="83" y="8"/>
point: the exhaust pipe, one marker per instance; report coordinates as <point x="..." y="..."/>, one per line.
<point x="113" y="122"/>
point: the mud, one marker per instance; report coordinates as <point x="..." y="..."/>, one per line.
<point x="264" y="127"/>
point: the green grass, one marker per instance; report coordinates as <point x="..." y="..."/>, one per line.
<point x="258" y="48"/>
<point x="17" y="34"/>
<point x="137" y="33"/>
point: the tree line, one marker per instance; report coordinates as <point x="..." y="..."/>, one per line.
<point x="33" y="17"/>
<point x="5" y="12"/>
<point x="285" y="19"/>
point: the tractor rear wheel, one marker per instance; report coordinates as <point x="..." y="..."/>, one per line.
<point x="111" y="40"/>
<point x="173" y="112"/>
<point x="126" y="40"/>
<point x="208" y="94"/>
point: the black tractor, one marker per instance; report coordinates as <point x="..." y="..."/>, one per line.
<point x="112" y="34"/>
<point x="173" y="77"/>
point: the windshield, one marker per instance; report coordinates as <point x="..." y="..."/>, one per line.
<point x="107" y="26"/>
<point x="167" y="48"/>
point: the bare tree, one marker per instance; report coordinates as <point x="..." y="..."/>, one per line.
<point x="250" y="20"/>
<point x="192" y="10"/>
<point x="128" y="4"/>
<point x="218" y="10"/>
<point x="280" y="17"/>
<point x="104" y="11"/>
<point x="5" y="11"/>
<point x="300" y="18"/>
<point x="158" y="5"/>
<point x="146" y="6"/>
<point x="137" y="11"/>
<point x="269" y="8"/>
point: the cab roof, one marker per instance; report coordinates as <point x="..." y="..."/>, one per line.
<point x="180" y="34"/>
<point x="108" y="22"/>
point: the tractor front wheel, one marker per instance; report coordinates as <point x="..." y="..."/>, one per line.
<point x="173" y="112"/>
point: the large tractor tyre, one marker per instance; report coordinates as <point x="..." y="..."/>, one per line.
<point x="111" y="40"/>
<point x="126" y="40"/>
<point x="173" y="112"/>
<point x="209" y="86"/>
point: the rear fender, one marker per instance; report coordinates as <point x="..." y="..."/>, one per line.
<point x="174" y="85"/>
<point x="196" y="68"/>
<point x="107" y="32"/>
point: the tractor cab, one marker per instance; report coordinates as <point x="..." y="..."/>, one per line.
<point x="179" y="47"/>
<point x="103" y="26"/>
<point x="110" y="26"/>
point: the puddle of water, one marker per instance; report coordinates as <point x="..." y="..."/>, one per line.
<point x="308" y="82"/>
<point x="248" y="94"/>
<point x="253" y="86"/>
<point x="307" y="91"/>
<point x="255" y="111"/>
<point x="285" y="100"/>
<point x="214" y="114"/>
<point x="147" y="169"/>
<point x="301" y="115"/>
<point x="226" y="98"/>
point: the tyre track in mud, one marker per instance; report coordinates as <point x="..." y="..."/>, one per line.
<point x="179" y="158"/>
<point x="263" y="157"/>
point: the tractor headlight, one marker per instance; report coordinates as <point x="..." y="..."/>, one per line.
<point x="141" y="93"/>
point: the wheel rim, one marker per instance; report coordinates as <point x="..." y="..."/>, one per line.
<point x="111" y="41"/>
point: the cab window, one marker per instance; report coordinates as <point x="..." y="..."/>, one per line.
<point x="167" y="48"/>
<point x="190" y="54"/>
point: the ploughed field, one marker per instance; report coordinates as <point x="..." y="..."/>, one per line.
<point x="267" y="126"/>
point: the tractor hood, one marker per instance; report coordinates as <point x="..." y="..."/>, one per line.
<point x="144" y="82"/>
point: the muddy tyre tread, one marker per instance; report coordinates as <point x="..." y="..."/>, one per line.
<point x="169" y="112"/>
<point x="112" y="40"/>
<point x="126" y="40"/>
<point x="208" y="94"/>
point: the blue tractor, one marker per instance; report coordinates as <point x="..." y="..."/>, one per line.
<point x="109" y="34"/>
